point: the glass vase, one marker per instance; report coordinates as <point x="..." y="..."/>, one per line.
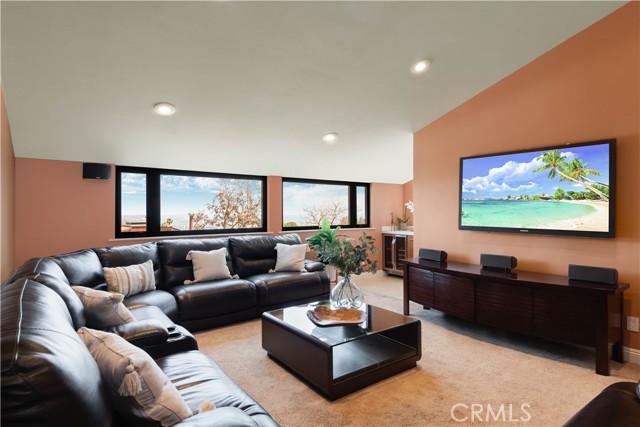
<point x="346" y="294"/>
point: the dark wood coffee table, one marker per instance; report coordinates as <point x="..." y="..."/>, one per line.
<point x="338" y="360"/>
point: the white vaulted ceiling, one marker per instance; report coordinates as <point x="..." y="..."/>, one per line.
<point x="257" y="84"/>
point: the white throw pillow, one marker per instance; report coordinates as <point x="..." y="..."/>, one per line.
<point x="211" y="265"/>
<point x="135" y="382"/>
<point x="291" y="257"/>
<point x="103" y="309"/>
<point x="130" y="280"/>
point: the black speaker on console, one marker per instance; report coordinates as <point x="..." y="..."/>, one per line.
<point x="96" y="171"/>
<point x="432" y="255"/>
<point x="587" y="273"/>
<point x="498" y="262"/>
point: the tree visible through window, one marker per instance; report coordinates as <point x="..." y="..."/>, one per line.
<point x="200" y="203"/>
<point x="155" y="202"/>
<point x="305" y="203"/>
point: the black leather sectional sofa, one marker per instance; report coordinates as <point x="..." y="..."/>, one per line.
<point x="200" y="305"/>
<point x="618" y="405"/>
<point x="49" y="378"/>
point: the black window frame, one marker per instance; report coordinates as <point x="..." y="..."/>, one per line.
<point x="353" y="203"/>
<point x="153" y="228"/>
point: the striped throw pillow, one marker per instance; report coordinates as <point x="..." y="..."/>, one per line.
<point x="140" y="390"/>
<point x="130" y="280"/>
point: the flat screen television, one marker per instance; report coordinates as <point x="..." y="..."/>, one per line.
<point x="566" y="190"/>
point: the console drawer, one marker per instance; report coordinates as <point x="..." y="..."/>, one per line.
<point x="420" y="286"/>
<point x="505" y="306"/>
<point x="454" y="295"/>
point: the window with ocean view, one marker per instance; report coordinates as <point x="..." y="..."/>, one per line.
<point x="306" y="203"/>
<point x="133" y="211"/>
<point x="204" y="203"/>
<point x="157" y="202"/>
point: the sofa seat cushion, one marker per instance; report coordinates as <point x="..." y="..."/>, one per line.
<point x="200" y="379"/>
<point x="220" y="417"/>
<point x="277" y="289"/>
<point x="204" y="300"/>
<point x="159" y="298"/>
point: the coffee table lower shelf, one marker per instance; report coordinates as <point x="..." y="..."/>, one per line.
<point x="338" y="369"/>
<point x="365" y="355"/>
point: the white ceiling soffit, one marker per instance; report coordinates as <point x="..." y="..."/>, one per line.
<point x="257" y="84"/>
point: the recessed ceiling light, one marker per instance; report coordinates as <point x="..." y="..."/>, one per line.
<point x="330" y="138"/>
<point x="421" y="66"/>
<point x="164" y="108"/>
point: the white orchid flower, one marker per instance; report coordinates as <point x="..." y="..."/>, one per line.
<point x="409" y="206"/>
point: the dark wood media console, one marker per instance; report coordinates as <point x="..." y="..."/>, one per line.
<point x="542" y="305"/>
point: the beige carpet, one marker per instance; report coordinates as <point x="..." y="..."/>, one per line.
<point x="462" y="365"/>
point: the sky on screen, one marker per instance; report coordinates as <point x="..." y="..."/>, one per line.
<point x="512" y="174"/>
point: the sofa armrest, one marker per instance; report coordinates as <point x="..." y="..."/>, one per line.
<point x="142" y="333"/>
<point x="616" y="405"/>
<point x="151" y="312"/>
<point x="313" y="265"/>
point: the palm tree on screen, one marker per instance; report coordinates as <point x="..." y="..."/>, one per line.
<point x="555" y="163"/>
<point x="578" y="170"/>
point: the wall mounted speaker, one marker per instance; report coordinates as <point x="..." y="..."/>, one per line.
<point x="96" y="171"/>
<point x="432" y="255"/>
<point x="587" y="273"/>
<point x="498" y="262"/>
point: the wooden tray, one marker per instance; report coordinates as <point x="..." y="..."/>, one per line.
<point x="324" y="315"/>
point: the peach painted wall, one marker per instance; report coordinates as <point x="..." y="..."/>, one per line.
<point x="7" y="193"/>
<point x="583" y="90"/>
<point x="274" y="204"/>
<point x="58" y="211"/>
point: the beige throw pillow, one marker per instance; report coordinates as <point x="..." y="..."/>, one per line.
<point x="211" y="265"/>
<point x="130" y="280"/>
<point x="103" y="309"/>
<point x="291" y="257"/>
<point x="135" y="382"/>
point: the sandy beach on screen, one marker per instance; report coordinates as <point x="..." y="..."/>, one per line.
<point x="595" y="221"/>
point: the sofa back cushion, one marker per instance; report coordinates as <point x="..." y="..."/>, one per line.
<point x="29" y="270"/>
<point x="49" y="273"/>
<point x="173" y="257"/>
<point x="81" y="268"/>
<point x="253" y="255"/>
<point x="122" y="256"/>
<point x="48" y="375"/>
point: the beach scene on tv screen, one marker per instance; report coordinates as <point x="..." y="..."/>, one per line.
<point x="556" y="189"/>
